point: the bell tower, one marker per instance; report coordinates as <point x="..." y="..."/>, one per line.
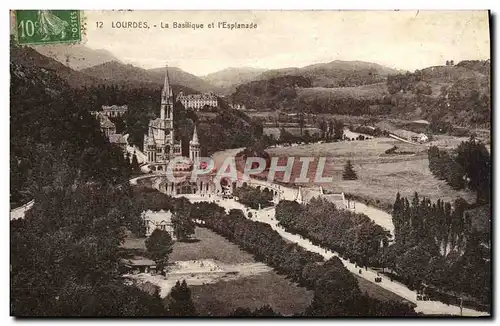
<point x="194" y="146"/>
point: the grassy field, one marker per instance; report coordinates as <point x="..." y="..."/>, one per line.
<point x="368" y="92"/>
<point x="380" y="176"/>
<point x="253" y="292"/>
<point x="209" y="245"/>
<point x="294" y="131"/>
<point x="223" y="297"/>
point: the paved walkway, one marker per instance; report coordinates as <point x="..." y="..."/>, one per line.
<point x="19" y="212"/>
<point x="267" y="215"/>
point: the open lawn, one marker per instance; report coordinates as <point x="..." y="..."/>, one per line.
<point x="380" y="176"/>
<point x="222" y="298"/>
<point x="253" y="291"/>
<point x="208" y="245"/>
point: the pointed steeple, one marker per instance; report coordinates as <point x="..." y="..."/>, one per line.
<point x="167" y="90"/>
<point x="195" y="141"/>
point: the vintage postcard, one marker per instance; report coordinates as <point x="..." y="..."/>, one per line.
<point x="250" y="163"/>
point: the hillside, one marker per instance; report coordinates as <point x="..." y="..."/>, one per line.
<point x="79" y="56"/>
<point x="457" y="95"/>
<point x="336" y="73"/>
<point x="449" y="94"/>
<point x="372" y="92"/>
<point x="30" y="58"/>
<point x="120" y="73"/>
<point x="183" y="78"/>
<point x="273" y="93"/>
<point x="229" y="78"/>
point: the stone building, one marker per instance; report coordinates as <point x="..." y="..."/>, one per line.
<point x="158" y="220"/>
<point x="160" y="144"/>
<point x="114" y="110"/>
<point x="198" y="101"/>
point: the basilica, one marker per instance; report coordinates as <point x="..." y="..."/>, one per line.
<point x="160" y="145"/>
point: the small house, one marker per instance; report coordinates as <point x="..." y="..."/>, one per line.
<point x="139" y="265"/>
<point x="158" y="220"/>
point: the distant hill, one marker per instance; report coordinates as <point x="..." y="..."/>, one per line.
<point x="336" y="73"/>
<point x="80" y="56"/>
<point x="459" y="94"/>
<point x="180" y="77"/>
<point x="117" y="72"/>
<point x="481" y="66"/>
<point x="229" y="78"/>
<point x="30" y="58"/>
<point x="273" y="93"/>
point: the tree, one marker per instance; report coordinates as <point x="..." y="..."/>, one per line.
<point x="475" y="160"/>
<point x="135" y="163"/>
<point x="338" y="130"/>
<point x="159" y="246"/>
<point x="335" y="292"/>
<point x="264" y="311"/>
<point x="180" y="301"/>
<point x="349" y="173"/>
<point x="182" y="221"/>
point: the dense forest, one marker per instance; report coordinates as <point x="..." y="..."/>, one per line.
<point x="468" y="166"/>
<point x="353" y="236"/>
<point x="64" y="254"/>
<point x="437" y="245"/>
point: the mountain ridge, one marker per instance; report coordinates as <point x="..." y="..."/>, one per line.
<point x="115" y="71"/>
<point x="229" y="78"/>
<point x="78" y="56"/>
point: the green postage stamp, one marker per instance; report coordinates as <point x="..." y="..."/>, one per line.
<point x="48" y="26"/>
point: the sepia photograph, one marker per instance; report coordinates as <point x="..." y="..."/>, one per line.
<point x="237" y="163"/>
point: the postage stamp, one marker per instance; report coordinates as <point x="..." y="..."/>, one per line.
<point x="48" y="26"/>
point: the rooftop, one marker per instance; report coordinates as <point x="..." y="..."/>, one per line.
<point x="139" y="261"/>
<point x="205" y="96"/>
<point x="117" y="139"/>
<point x="115" y="108"/>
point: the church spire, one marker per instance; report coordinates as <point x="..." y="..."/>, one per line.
<point x="195" y="141"/>
<point x="167" y="90"/>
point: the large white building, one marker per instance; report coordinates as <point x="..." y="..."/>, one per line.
<point x="198" y="101"/>
<point x="158" y="220"/>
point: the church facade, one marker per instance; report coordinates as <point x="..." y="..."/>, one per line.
<point x="160" y="144"/>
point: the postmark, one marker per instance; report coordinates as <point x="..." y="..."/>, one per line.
<point x="48" y="26"/>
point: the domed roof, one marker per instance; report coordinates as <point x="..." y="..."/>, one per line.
<point x="185" y="165"/>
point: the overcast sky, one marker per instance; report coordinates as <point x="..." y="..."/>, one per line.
<point x="397" y="39"/>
